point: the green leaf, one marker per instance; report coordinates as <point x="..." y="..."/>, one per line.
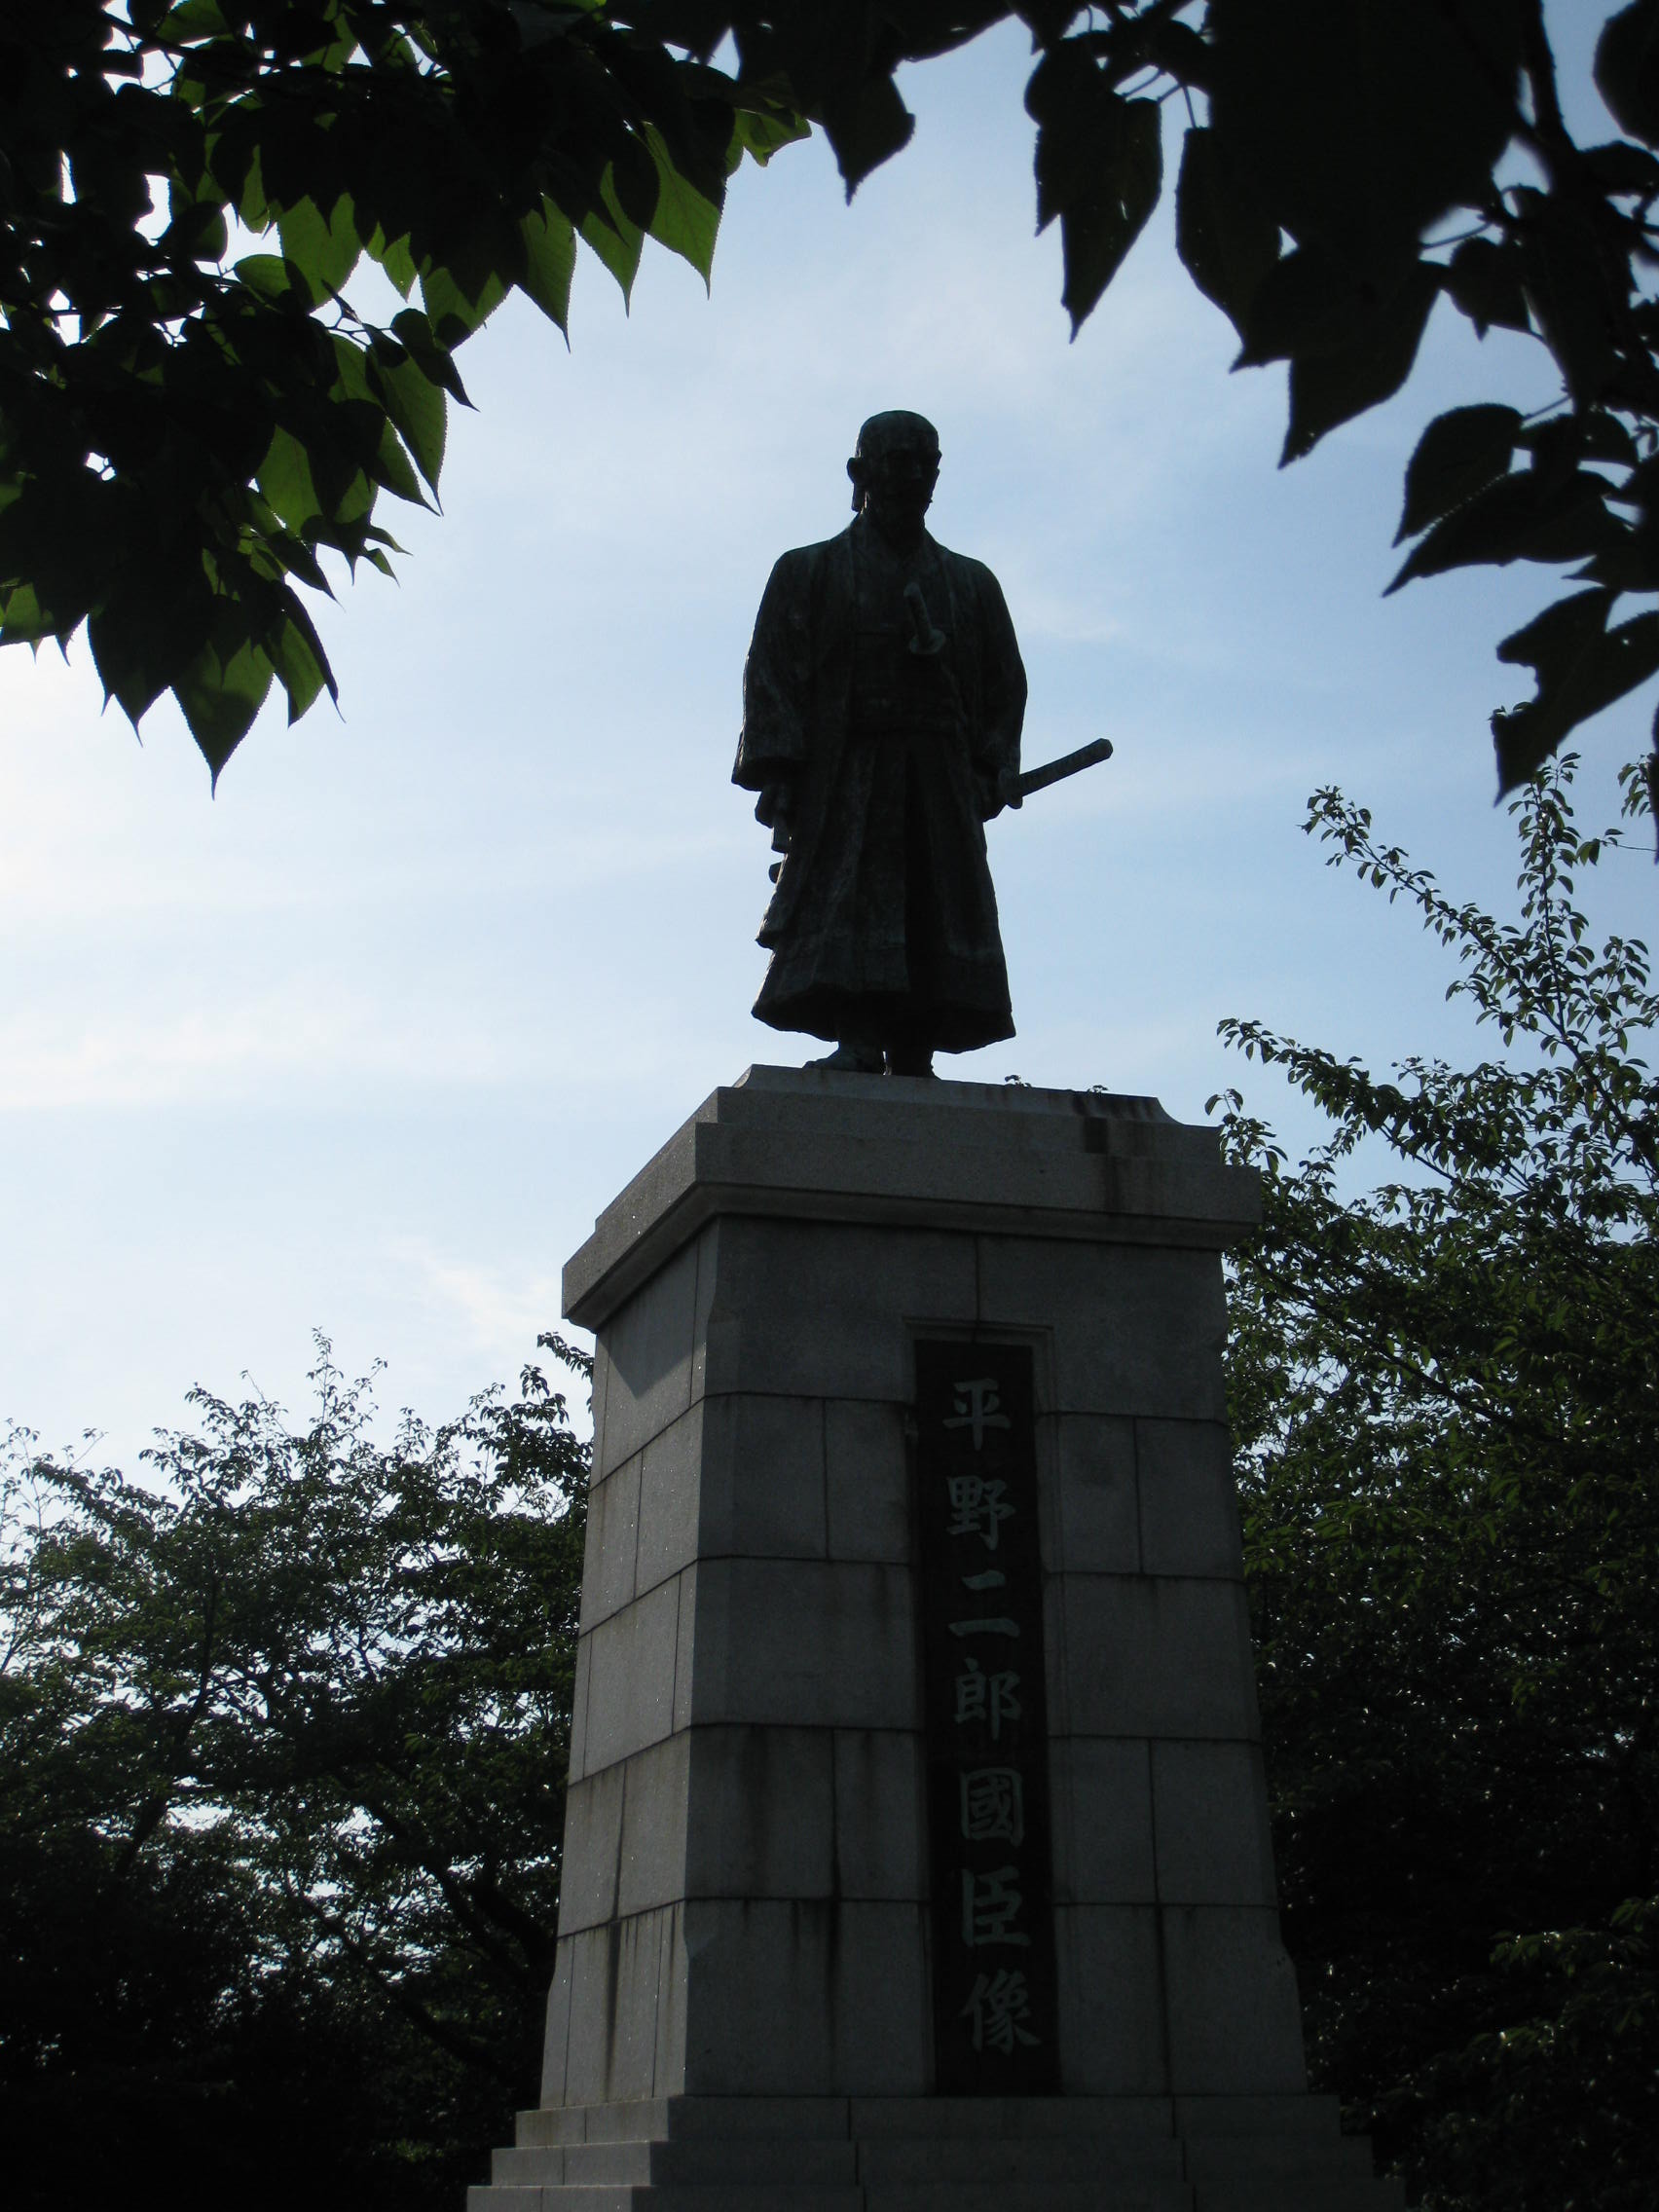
<point x="274" y="280"/>
<point x="195" y="19"/>
<point x="22" y="620"/>
<point x="455" y="317"/>
<point x="1486" y="282"/>
<point x="1457" y="456"/>
<point x="1627" y="69"/>
<point x="301" y="664"/>
<point x="1523" y="516"/>
<point x="550" y="258"/>
<point x="1624" y="169"/>
<point x="220" y="695"/>
<point x="1581" y="669"/>
<point x="1224" y="237"/>
<point x="1578" y="302"/>
<point x="284" y="477"/>
<point x="415" y="331"/>
<point x="760" y="135"/>
<point x="685" y="221"/>
<point x="1099" y="168"/>
<point x="327" y="250"/>
<point x="395" y="258"/>
<point x="616" y="240"/>
<point x="865" y="127"/>
<point x="392" y="470"/>
<point x="416" y="405"/>
<point x="1327" y="388"/>
<point x="1310" y="302"/>
<point x="1362" y="121"/>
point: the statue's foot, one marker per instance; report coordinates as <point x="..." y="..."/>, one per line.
<point x="852" y="1059"/>
<point x="911" y="1060"/>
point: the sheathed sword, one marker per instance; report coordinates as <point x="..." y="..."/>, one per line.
<point x="1022" y="787"/>
<point x="1056" y="771"/>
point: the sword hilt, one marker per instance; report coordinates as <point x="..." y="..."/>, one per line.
<point x="1056" y="771"/>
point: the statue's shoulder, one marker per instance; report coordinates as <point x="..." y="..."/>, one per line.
<point x="800" y="576"/>
<point x="807" y="560"/>
<point x="965" y="570"/>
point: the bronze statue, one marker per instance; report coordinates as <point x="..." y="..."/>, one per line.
<point x="882" y="704"/>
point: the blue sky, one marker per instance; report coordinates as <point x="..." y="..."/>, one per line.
<point x="366" y="1040"/>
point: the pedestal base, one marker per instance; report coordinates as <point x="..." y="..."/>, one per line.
<point x="938" y="2155"/>
<point x="915" y="1744"/>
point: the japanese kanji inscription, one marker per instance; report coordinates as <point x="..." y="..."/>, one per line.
<point x="993" y="1933"/>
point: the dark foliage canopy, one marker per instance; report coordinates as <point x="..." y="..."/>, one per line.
<point x="283" y="1734"/>
<point x="191" y="413"/>
<point x="1446" y="1394"/>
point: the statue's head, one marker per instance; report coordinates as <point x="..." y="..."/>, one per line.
<point x="894" y="468"/>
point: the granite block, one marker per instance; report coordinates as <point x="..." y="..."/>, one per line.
<point x="631" y="1661"/>
<point x="672" y="1974"/>
<point x="580" y="1707"/>
<point x="649" y="1342"/>
<point x="803" y="1642"/>
<point x="670" y="1495"/>
<point x="598" y="1388"/>
<point x="785" y="1999"/>
<point x="763" y="1486"/>
<point x="881" y="1836"/>
<point x="867" y="1481"/>
<point x="1234" y="2022"/>
<point x="1147" y="1656"/>
<point x="1102" y="1820"/>
<point x="805" y="1309"/>
<point x="556" y="2044"/>
<point x="761" y="1820"/>
<point x="881" y="2002"/>
<point x="1214" y="1846"/>
<point x="593" y="1842"/>
<point x="611" y="1542"/>
<point x="1097" y="1524"/>
<point x="614" y="1976"/>
<point x="686" y="1647"/>
<point x="1136" y="1330"/>
<point x="1112" y="2029"/>
<point x="1189" y="1504"/>
<point x="588" y="2029"/>
<point x="651" y="1850"/>
<point x="757" y="2020"/>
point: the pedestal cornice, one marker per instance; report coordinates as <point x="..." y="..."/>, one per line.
<point x="973" y="1157"/>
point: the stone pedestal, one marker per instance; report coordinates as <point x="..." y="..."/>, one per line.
<point x="763" y="1913"/>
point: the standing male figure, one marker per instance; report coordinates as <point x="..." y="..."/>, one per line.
<point x="882" y="704"/>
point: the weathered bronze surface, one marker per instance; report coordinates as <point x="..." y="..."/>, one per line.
<point x="882" y="705"/>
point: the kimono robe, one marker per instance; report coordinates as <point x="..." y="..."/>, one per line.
<point x="884" y="923"/>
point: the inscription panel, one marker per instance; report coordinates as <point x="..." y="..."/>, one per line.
<point x="995" y="1996"/>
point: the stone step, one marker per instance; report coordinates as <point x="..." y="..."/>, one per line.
<point x="1119" y="2161"/>
<point x="1103" y="2195"/>
<point x="1019" y="2118"/>
<point x="1292" y="2192"/>
<point x="624" y="2196"/>
<point x="1340" y="2157"/>
<point x="678" y="2118"/>
<point x="700" y="2161"/>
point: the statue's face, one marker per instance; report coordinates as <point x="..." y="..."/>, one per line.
<point x="897" y="481"/>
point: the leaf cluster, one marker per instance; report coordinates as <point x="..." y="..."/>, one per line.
<point x="1446" y="1394"/>
<point x="1343" y="171"/>
<point x="305" y="1696"/>
<point x="186" y="426"/>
